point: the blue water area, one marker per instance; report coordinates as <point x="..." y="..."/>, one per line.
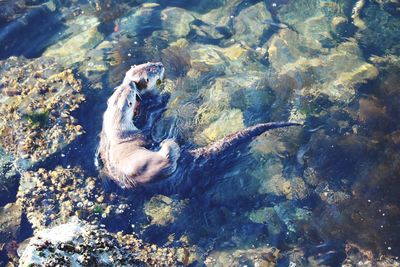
<point x="322" y="194"/>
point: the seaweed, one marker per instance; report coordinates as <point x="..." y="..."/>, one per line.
<point x="37" y="119"/>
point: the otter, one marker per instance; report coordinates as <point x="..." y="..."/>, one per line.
<point x="124" y="149"/>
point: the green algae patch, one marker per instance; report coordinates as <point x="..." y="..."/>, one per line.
<point x="39" y="119"/>
<point x="98" y="210"/>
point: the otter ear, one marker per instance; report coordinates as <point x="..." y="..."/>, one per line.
<point x="142" y="83"/>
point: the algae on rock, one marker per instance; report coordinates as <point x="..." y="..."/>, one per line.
<point x="163" y="210"/>
<point x="77" y="243"/>
<point x="49" y="197"/>
<point x="38" y="98"/>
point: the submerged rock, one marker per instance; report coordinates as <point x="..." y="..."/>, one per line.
<point x="163" y="210"/>
<point x="10" y="222"/>
<point x="82" y="36"/>
<point x="78" y="244"/>
<point x="261" y="256"/>
<point x="10" y="230"/>
<point x="335" y="73"/>
<point x="391" y="6"/>
<point x="228" y="122"/>
<point x="234" y="59"/>
<point x="269" y="217"/>
<point x="38" y="98"/>
<point x="292" y="215"/>
<point x="364" y="257"/>
<point x="228" y="103"/>
<point x="318" y="20"/>
<point x="9" y="177"/>
<point x="10" y="10"/>
<point x="176" y="21"/>
<point x="32" y="29"/>
<point x="381" y="33"/>
<point x="250" y="25"/>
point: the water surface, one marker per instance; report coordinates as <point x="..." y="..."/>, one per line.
<point x="325" y="194"/>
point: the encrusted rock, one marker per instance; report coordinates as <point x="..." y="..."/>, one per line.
<point x="9" y="178"/>
<point x="39" y="97"/>
<point x="56" y="195"/>
<point x="78" y="244"/>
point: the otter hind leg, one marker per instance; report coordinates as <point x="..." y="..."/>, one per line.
<point x="145" y="166"/>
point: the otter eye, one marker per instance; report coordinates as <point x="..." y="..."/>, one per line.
<point x="147" y="80"/>
<point x="129" y="103"/>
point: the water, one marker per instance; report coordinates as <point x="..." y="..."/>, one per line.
<point x="325" y="194"/>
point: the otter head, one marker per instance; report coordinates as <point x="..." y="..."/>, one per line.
<point x="123" y="105"/>
<point x="145" y="76"/>
<point x="120" y="109"/>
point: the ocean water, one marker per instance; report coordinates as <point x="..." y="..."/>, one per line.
<point x="323" y="194"/>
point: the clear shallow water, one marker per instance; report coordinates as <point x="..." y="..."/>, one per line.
<point x="325" y="194"/>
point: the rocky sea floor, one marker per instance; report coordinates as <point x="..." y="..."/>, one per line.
<point x="325" y="194"/>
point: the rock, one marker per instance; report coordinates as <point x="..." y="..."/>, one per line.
<point x="391" y="6"/>
<point x="277" y="185"/>
<point x="38" y="97"/>
<point x="338" y="23"/>
<point x="332" y="197"/>
<point x="176" y="59"/>
<point x="268" y="217"/>
<point x="50" y="197"/>
<point x="292" y="215"/>
<point x="336" y="72"/>
<point x="261" y="256"/>
<point x="359" y="256"/>
<point x="31" y="31"/>
<point x="316" y="20"/>
<point x="250" y="25"/>
<point x="280" y="142"/>
<point x="78" y="244"/>
<point x="230" y="96"/>
<point x="10" y="222"/>
<point x="83" y="36"/>
<point x="9" y="177"/>
<point x="176" y="21"/>
<point x="231" y="60"/>
<point x="163" y="210"/>
<point x="10" y="11"/>
<point x="229" y="121"/>
<point x="381" y="33"/>
<point x="221" y="16"/>
<point x="138" y="19"/>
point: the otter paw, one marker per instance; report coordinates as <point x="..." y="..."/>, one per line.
<point x="170" y="149"/>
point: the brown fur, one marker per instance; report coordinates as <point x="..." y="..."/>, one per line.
<point x="122" y="147"/>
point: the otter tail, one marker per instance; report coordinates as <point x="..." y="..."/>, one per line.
<point x="235" y="139"/>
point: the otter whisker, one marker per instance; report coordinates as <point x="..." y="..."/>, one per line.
<point x="135" y="90"/>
